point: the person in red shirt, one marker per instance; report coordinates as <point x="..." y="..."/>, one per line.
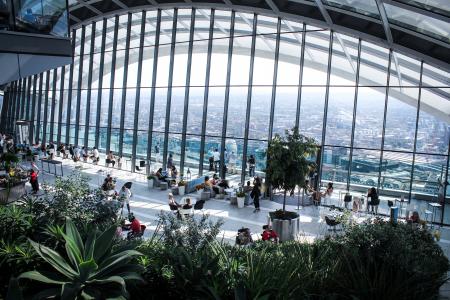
<point x="269" y="235"/>
<point x="136" y="229"/>
<point x="34" y="181"/>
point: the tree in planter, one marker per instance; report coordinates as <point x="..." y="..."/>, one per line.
<point x="287" y="161"/>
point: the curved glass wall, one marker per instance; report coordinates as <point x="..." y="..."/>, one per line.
<point x="189" y="81"/>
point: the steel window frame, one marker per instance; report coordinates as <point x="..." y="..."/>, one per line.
<point x="153" y="91"/>
<point x="227" y="96"/>
<point x="100" y="83"/>
<point x="69" y="95"/>
<point x="79" y="84"/>
<point x="187" y="91"/>
<point x="111" y="85"/>
<point x="138" y="92"/>
<point x="206" y="92"/>
<point x="249" y="99"/>
<point x="169" y="87"/>
<point x="124" y="84"/>
<point x="89" y="89"/>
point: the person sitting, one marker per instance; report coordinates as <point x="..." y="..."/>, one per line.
<point x="135" y="227"/>
<point x="208" y="185"/>
<point x="174" y="172"/>
<point x="414" y="219"/>
<point x="159" y="174"/>
<point x="71" y="151"/>
<point x="187" y="204"/>
<point x="244" y="237"/>
<point x="76" y="154"/>
<point x="269" y="234"/>
<point x="172" y="202"/>
<point x="95" y="156"/>
<point x="248" y="188"/>
<point x="84" y="154"/>
<point x="110" y="159"/>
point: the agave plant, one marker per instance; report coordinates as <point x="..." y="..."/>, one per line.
<point x="93" y="269"/>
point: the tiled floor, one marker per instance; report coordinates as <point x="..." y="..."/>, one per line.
<point x="147" y="203"/>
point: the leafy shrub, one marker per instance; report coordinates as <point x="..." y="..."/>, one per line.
<point x="90" y="269"/>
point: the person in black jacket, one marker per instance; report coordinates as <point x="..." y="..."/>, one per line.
<point x="256" y="193"/>
<point x="372" y="198"/>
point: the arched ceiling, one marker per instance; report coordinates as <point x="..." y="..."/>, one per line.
<point x="417" y="28"/>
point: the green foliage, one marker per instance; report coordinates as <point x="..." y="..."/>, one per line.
<point x="287" y="161"/>
<point x="373" y="261"/>
<point x="87" y="270"/>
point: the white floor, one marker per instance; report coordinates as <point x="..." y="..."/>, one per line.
<point x="147" y="203"/>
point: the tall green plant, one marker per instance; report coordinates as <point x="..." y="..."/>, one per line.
<point x="89" y="270"/>
<point x="287" y="163"/>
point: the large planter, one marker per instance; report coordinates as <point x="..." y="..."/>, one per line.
<point x="240" y="202"/>
<point x="150" y="183"/>
<point x="287" y="230"/>
<point x="8" y="195"/>
<point x="181" y="190"/>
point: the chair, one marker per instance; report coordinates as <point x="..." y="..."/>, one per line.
<point x="332" y="224"/>
<point x="199" y="205"/>
<point x="174" y="208"/>
<point x="185" y="213"/>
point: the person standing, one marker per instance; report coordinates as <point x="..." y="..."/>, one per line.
<point x="255" y="194"/>
<point x="125" y="195"/>
<point x="170" y="162"/>
<point x="251" y="166"/>
<point x="216" y="156"/>
<point x="34" y="181"/>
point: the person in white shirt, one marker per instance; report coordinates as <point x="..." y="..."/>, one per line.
<point x="216" y="155"/>
<point x="232" y="162"/>
<point x="125" y="195"/>
<point x="76" y="153"/>
<point x="95" y="156"/>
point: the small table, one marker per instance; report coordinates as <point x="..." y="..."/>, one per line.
<point x="434" y="206"/>
<point x="52" y="162"/>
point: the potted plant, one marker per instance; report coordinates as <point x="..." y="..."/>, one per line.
<point x="240" y="199"/>
<point x="150" y="181"/>
<point x="181" y="187"/>
<point x="9" y="159"/>
<point x="287" y="167"/>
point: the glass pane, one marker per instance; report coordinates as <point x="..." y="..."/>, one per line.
<point x="335" y="166"/>
<point x="340" y="116"/>
<point x="311" y="112"/>
<point x="369" y="117"/>
<point x="364" y="169"/>
<point x="365" y="7"/>
<point x="418" y="22"/>
<point x="285" y="109"/>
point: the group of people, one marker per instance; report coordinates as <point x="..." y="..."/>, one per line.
<point x="244" y="236"/>
<point x="73" y="152"/>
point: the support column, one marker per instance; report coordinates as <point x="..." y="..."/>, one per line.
<point x="89" y="85"/>
<point x="152" y="96"/>
<point x="325" y="108"/>
<point x="355" y="106"/>
<point x="169" y="87"/>
<point x="111" y="86"/>
<point x="206" y="95"/>
<point x="137" y="100"/>
<point x="80" y="80"/>
<point x="249" y="99"/>
<point x="124" y="85"/>
<point x="186" y="91"/>
<point x="100" y="83"/>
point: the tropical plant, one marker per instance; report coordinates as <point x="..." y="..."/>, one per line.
<point x="240" y="194"/>
<point x="287" y="163"/>
<point x="181" y="183"/>
<point x="89" y="270"/>
<point x="8" y="159"/>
